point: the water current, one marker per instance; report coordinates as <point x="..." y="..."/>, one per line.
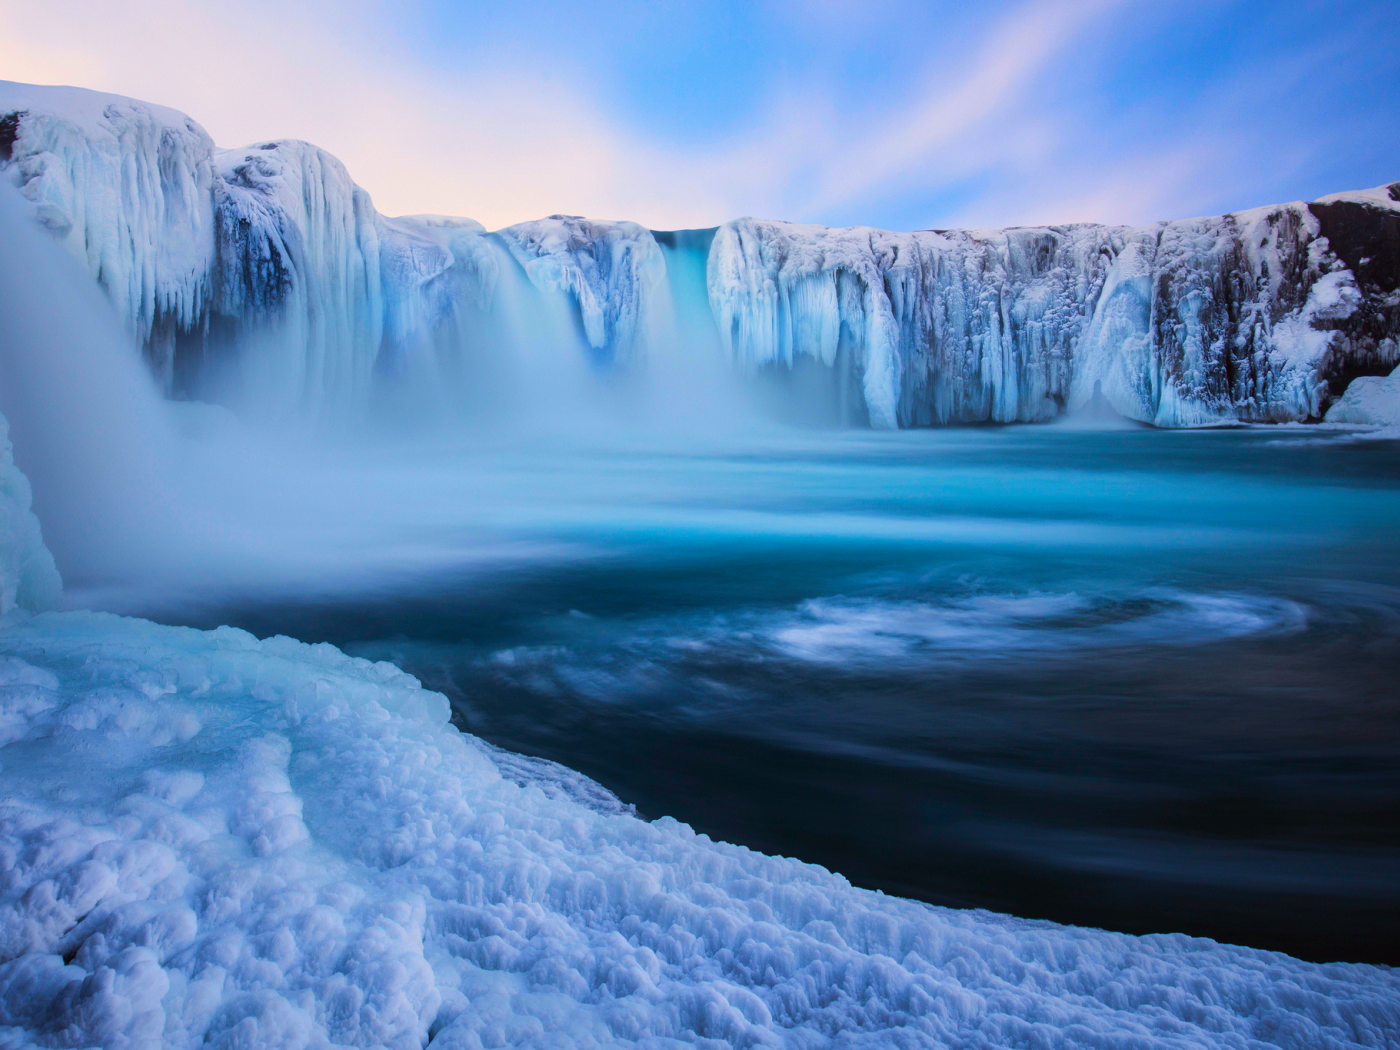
<point x="1126" y="678"/>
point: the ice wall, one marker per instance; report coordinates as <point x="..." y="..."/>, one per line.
<point x="266" y="265"/>
<point x="614" y="271"/>
<point x="28" y="577"/>
<point x="1260" y="315"/>
<point x="127" y="188"/>
<point x="266" y="274"/>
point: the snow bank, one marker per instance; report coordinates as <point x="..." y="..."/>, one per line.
<point x="211" y="840"/>
<point x="1370" y="399"/>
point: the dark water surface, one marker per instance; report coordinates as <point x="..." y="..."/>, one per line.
<point x="1132" y="679"/>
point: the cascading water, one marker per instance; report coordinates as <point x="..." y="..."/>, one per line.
<point x="264" y="277"/>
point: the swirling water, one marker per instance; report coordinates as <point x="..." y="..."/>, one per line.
<point x="1127" y="678"/>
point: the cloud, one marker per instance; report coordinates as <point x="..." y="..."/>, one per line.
<point x="527" y="133"/>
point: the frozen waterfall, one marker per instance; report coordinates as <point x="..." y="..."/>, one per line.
<point x="265" y="277"/>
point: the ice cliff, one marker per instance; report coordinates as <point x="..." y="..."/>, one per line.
<point x="1261" y="315"/>
<point x="269" y="264"/>
<point x="28" y="577"/>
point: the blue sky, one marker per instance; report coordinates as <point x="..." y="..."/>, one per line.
<point x="892" y="114"/>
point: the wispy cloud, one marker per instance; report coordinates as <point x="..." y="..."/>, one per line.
<point x="507" y="140"/>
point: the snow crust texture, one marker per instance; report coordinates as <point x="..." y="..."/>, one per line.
<point x="210" y="840"/>
<point x="272" y="249"/>
<point x="1372" y="400"/>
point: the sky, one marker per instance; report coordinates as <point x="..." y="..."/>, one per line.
<point x="678" y="115"/>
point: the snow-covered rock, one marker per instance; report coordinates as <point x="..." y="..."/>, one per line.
<point x="1373" y="400"/>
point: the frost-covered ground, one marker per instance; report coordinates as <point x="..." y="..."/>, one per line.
<point x="209" y="839"/>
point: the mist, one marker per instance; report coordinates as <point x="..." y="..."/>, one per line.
<point x="470" y="452"/>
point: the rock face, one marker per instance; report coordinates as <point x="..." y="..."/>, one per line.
<point x="270" y="264"/>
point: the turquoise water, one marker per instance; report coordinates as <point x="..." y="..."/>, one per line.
<point x="1127" y="678"/>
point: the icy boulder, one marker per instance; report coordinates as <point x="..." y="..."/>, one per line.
<point x="210" y="840"/>
<point x="28" y="577"/>
<point x="1373" y="400"/>
<point x="126" y="187"/>
<point x="613" y="271"/>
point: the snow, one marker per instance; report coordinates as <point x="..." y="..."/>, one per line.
<point x="1387" y="196"/>
<point x="208" y="839"/>
<point x="1373" y="400"/>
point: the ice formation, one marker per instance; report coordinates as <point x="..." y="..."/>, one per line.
<point x="1263" y="315"/>
<point x="1373" y="400"/>
<point x="1245" y="316"/>
<point x="126" y="187"/>
<point x="28" y="576"/>
<point x="272" y="248"/>
<point x="211" y="840"/>
<point x="613" y="270"/>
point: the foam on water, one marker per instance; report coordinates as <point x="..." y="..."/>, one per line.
<point x="840" y="629"/>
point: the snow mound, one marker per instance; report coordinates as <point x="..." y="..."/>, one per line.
<point x="1369" y="399"/>
<point x="210" y="840"/>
